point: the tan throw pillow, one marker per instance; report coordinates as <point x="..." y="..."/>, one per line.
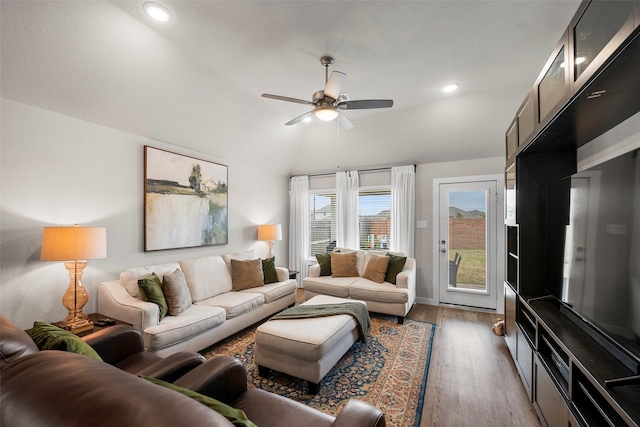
<point x="344" y="265"/>
<point x="176" y="291"/>
<point x="376" y="268"/>
<point x="246" y="274"/>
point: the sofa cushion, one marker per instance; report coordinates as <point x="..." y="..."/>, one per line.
<point x="235" y="303"/>
<point x="367" y="290"/>
<point x="376" y="268"/>
<point x="206" y="277"/>
<point x="246" y="274"/>
<point x="49" y="337"/>
<point x="344" y="265"/>
<point x="335" y="286"/>
<point x="396" y="264"/>
<point x="151" y="290"/>
<point x="269" y="270"/>
<point x="130" y="277"/>
<point x="176" y="292"/>
<point x="274" y="291"/>
<point x="193" y="321"/>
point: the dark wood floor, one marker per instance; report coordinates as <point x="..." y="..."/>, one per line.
<point x="472" y="380"/>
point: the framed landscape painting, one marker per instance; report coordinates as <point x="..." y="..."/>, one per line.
<point x="185" y="201"/>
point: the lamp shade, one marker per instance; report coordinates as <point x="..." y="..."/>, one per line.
<point x="270" y="232"/>
<point x="73" y="243"/>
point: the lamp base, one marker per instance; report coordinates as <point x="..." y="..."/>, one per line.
<point x="76" y="296"/>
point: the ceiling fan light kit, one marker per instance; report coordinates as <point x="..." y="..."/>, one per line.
<point x="329" y="103"/>
<point x="326" y="113"/>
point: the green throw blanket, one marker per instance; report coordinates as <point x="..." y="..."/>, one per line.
<point x="357" y="310"/>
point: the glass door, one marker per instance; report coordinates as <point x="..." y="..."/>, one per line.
<point x="467" y="243"/>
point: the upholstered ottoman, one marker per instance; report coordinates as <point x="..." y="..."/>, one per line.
<point x="306" y="348"/>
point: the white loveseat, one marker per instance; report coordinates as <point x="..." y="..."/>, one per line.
<point x="216" y="311"/>
<point x="383" y="297"/>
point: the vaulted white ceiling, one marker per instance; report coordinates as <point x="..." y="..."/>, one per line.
<point x="196" y="81"/>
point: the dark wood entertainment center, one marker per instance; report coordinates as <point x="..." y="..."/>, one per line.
<point x="564" y="363"/>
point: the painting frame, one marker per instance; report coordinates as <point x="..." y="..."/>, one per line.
<point x="186" y="201"/>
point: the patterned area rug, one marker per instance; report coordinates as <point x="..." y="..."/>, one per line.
<point x="389" y="371"/>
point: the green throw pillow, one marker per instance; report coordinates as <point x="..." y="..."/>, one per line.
<point x="269" y="270"/>
<point x="324" y="260"/>
<point x="49" y="337"/>
<point x="236" y="416"/>
<point x="396" y="264"/>
<point x="151" y="289"/>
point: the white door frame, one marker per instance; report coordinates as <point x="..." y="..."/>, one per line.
<point x="500" y="246"/>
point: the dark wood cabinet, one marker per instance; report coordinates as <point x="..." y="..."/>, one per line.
<point x="589" y="85"/>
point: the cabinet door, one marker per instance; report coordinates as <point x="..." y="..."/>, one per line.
<point x="511" y="330"/>
<point x="526" y="119"/>
<point x="547" y="399"/>
<point x="553" y="84"/>
<point x="524" y="361"/>
<point x="512" y="139"/>
<point x="598" y="29"/>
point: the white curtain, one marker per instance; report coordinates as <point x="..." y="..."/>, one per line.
<point x="403" y="209"/>
<point x="347" y="221"/>
<point x="299" y="226"/>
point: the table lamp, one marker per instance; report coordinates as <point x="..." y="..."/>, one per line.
<point x="74" y="245"/>
<point x="269" y="233"/>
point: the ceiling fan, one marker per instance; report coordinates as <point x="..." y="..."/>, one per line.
<point x="330" y="102"/>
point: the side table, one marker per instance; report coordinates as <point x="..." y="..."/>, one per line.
<point x="95" y="318"/>
<point x="293" y="274"/>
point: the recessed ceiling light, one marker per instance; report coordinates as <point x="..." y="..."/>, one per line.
<point x="157" y="12"/>
<point x="451" y="87"/>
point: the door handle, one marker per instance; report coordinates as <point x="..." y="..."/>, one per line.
<point x="443" y="250"/>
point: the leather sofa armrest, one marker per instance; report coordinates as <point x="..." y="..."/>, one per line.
<point x="174" y="366"/>
<point x="357" y="413"/>
<point x="224" y="378"/>
<point x="115" y="343"/>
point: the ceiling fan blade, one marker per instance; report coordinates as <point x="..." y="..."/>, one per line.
<point x="366" y="104"/>
<point x="344" y="121"/>
<point x="300" y="118"/>
<point x="286" y="98"/>
<point x="334" y="85"/>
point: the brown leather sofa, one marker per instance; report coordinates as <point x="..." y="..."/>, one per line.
<point x="56" y="388"/>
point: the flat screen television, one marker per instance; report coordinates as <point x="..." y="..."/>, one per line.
<point x="597" y="217"/>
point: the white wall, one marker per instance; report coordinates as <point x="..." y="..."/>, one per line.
<point x="58" y="170"/>
<point x="425" y="174"/>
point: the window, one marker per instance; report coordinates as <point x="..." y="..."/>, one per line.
<point x="374" y="211"/>
<point x="322" y="208"/>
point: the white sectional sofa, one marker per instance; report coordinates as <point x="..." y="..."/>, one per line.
<point x="383" y="297"/>
<point x="216" y="310"/>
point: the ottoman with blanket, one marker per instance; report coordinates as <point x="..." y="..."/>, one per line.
<point x="308" y="340"/>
